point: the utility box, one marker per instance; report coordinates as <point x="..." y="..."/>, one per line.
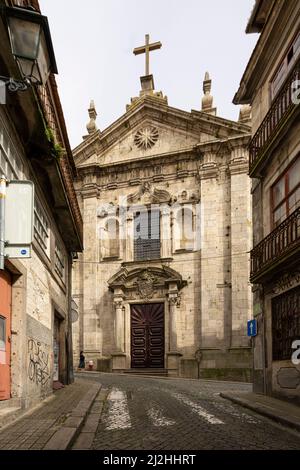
<point x="19" y="213"/>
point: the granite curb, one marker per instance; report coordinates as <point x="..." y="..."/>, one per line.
<point x="64" y="438"/>
<point x="85" y="439"/>
<point x="269" y="410"/>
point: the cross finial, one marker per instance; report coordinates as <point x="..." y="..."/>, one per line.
<point x="146" y="49"/>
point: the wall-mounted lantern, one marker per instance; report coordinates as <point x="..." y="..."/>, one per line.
<point x="31" y="46"/>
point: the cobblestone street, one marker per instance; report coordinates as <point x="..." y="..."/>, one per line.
<point x="33" y="431"/>
<point x="175" y="414"/>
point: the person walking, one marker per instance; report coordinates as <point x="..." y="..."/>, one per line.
<point x="81" y="360"/>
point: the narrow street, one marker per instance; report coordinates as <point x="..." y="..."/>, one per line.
<point x="175" y="414"/>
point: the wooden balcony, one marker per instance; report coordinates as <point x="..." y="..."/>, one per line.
<point x="277" y="249"/>
<point x="275" y="123"/>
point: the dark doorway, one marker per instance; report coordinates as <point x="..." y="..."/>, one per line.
<point x="147" y="336"/>
<point x="57" y="349"/>
<point x="5" y="334"/>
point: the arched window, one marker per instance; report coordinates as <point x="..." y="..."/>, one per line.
<point x="111" y="237"/>
<point x="185" y="229"/>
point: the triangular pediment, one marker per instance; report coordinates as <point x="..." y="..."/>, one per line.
<point x="153" y="129"/>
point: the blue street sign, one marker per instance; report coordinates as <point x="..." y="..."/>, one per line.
<point x="252" y="328"/>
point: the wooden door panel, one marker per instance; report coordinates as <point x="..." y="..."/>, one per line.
<point x="5" y="334"/>
<point x="147" y="336"/>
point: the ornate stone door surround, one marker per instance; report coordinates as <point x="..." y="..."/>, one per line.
<point x="143" y="284"/>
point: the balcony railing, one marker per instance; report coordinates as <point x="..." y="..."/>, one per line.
<point x="283" y="242"/>
<point x="281" y="109"/>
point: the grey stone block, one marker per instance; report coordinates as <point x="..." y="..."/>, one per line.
<point x="104" y="365"/>
<point x="91" y="424"/>
<point x="74" y="422"/>
<point x="84" y="441"/>
<point x="62" y="439"/>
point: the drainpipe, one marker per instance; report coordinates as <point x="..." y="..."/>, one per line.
<point x="70" y="368"/>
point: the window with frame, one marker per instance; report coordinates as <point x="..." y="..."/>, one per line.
<point x="285" y="323"/>
<point x="2" y="334"/>
<point x="285" y="194"/>
<point x="285" y="66"/>
<point x="11" y="165"/>
<point x="59" y="263"/>
<point x="41" y="227"/>
<point x="147" y="235"/>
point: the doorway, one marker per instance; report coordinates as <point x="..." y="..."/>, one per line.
<point x="56" y="350"/>
<point x="147" y="336"/>
<point x="5" y="334"/>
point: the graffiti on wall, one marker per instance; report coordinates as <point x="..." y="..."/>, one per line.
<point x="38" y="363"/>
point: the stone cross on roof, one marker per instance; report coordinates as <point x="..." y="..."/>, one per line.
<point x="146" y="49"/>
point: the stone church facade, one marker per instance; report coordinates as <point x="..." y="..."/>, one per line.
<point x="163" y="280"/>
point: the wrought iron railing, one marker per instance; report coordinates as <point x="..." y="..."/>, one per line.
<point x="282" y="106"/>
<point x="276" y="246"/>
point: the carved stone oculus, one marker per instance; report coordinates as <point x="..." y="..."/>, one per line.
<point x="146" y="138"/>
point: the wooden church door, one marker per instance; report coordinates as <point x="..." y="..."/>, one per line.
<point x="147" y="336"/>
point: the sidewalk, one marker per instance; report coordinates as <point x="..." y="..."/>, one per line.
<point x="54" y="425"/>
<point x="277" y="410"/>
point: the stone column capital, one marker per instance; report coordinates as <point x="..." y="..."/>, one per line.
<point x="165" y="210"/>
<point x="174" y="299"/>
<point x="118" y="302"/>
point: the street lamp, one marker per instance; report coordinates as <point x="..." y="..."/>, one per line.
<point x="31" y="46"/>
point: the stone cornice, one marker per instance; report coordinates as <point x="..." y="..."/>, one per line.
<point x="90" y="191"/>
<point x="194" y="152"/>
<point x="206" y="158"/>
<point x="182" y="154"/>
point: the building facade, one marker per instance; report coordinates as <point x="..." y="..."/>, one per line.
<point x="271" y="84"/>
<point x="35" y="293"/>
<point x="163" y="280"/>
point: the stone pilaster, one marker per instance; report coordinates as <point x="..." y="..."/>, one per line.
<point x="119" y="356"/>
<point x="212" y="261"/>
<point x="91" y="324"/>
<point x="165" y="232"/>
<point x="119" y="326"/>
<point x="173" y="354"/>
<point x="129" y="237"/>
<point x="172" y="323"/>
<point x="241" y="228"/>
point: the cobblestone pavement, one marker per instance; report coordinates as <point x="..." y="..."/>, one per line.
<point x="34" y="430"/>
<point x="175" y="414"/>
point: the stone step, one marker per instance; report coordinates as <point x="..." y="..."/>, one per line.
<point x="11" y="403"/>
<point x="9" y="415"/>
<point x="147" y="372"/>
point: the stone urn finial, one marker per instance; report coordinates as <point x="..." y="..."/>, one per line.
<point x="208" y="99"/>
<point x="92" y="126"/>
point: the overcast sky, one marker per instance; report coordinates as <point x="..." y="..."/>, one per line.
<point x="94" y="40"/>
